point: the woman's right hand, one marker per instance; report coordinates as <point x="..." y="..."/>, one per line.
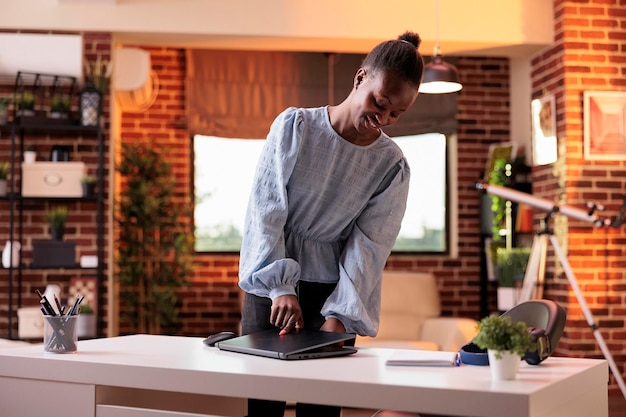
<point x="286" y="313"/>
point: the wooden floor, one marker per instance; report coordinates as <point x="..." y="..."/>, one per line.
<point x="617" y="408"/>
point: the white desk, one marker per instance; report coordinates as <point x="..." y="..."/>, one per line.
<point x="137" y="375"/>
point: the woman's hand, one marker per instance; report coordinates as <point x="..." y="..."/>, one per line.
<point x="286" y="313"/>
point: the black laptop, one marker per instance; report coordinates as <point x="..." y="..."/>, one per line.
<point x="298" y="344"/>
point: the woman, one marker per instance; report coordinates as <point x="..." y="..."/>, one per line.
<point x="325" y="210"/>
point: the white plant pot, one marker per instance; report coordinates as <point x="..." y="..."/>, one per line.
<point x="86" y="325"/>
<point x="505" y="368"/>
<point x="30" y="157"/>
<point x="507" y="298"/>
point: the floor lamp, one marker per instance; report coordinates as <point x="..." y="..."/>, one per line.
<point x="538" y="252"/>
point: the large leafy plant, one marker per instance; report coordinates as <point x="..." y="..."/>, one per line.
<point x="155" y="245"/>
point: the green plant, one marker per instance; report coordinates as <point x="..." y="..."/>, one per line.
<point x="500" y="175"/>
<point x="25" y="101"/>
<point x="155" y="243"/>
<point x="86" y="309"/>
<point x="60" y="104"/>
<point x="88" y="179"/>
<point x="4" y="102"/>
<point x="511" y="265"/>
<point x="31" y="148"/>
<point x="57" y="217"/>
<point x="4" y="170"/>
<point x="501" y="333"/>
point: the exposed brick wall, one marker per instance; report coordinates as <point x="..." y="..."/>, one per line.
<point x="589" y="53"/>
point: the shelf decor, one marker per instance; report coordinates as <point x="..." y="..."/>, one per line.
<point x="90" y="98"/>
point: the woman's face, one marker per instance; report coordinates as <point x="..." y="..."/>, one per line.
<point x="379" y="99"/>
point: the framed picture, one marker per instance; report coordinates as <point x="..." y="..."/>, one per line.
<point x="544" y="145"/>
<point x="604" y="125"/>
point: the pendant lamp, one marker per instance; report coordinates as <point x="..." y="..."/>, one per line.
<point x="439" y="76"/>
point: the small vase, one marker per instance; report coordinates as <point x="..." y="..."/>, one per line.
<point x="3" y="188"/>
<point x="505" y="368"/>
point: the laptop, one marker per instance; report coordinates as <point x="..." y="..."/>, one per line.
<point x="298" y="344"/>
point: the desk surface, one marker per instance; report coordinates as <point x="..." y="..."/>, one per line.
<point x="184" y="364"/>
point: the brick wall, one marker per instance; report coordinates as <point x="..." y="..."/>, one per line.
<point x="589" y="53"/>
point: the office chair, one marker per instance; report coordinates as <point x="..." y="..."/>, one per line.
<point x="545" y="320"/>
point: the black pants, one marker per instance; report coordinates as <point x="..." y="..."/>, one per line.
<point x="256" y="317"/>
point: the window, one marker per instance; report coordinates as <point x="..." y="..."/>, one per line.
<point x="224" y="169"/>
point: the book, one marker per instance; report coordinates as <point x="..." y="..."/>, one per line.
<point x="408" y="357"/>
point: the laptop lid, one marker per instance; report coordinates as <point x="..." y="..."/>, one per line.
<point x="298" y="344"/>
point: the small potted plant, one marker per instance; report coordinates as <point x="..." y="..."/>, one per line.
<point x="25" y="103"/>
<point x="510" y="268"/>
<point x="4" y="173"/>
<point x="57" y="217"/>
<point x="4" y="110"/>
<point x="506" y="342"/>
<point x="30" y="154"/>
<point x="86" y="325"/>
<point x="59" y="107"/>
<point x="89" y="185"/>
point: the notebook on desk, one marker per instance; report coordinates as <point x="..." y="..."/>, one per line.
<point x="300" y="344"/>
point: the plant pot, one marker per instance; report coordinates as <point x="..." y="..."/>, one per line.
<point x="507" y="297"/>
<point x="57" y="233"/>
<point x="89" y="189"/>
<point x="86" y="325"/>
<point x="30" y="157"/>
<point x="25" y="113"/>
<point x="505" y="368"/>
<point x="3" y="188"/>
<point x="57" y="115"/>
<point x="4" y="115"/>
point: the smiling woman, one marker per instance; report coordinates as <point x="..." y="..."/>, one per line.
<point x="224" y="169"/>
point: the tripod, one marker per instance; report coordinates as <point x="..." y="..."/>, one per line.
<point x="533" y="288"/>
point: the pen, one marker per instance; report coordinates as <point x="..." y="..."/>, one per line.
<point x="56" y="301"/>
<point x="46" y="305"/>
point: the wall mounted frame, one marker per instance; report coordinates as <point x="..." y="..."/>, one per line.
<point x="604" y="125"/>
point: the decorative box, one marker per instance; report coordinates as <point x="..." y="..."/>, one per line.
<point x="30" y="323"/>
<point x="54" y="254"/>
<point x="52" y="179"/>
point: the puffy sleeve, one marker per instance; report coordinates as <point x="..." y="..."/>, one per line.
<point x="263" y="268"/>
<point x="365" y="255"/>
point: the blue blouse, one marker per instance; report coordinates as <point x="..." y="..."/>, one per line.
<point x="325" y="210"/>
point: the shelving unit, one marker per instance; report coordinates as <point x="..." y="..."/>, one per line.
<point x="40" y="130"/>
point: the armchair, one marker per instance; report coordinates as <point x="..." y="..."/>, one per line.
<point x="410" y="316"/>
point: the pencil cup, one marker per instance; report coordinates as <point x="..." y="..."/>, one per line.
<point x="59" y="334"/>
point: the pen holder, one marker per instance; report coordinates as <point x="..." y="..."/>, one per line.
<point x="60" y="334"/>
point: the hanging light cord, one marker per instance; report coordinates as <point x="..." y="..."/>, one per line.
<point x="437" y="48"/>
